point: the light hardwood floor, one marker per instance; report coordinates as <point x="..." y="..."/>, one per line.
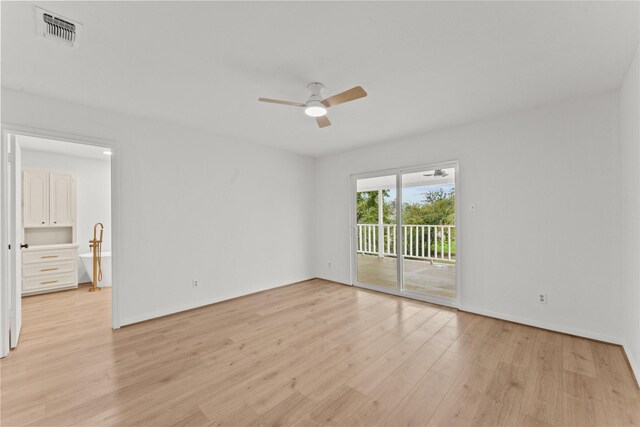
<point x="314" y="353"/>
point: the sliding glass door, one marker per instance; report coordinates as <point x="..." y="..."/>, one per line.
<point x="404" y="232"/>
<point x="428" y="227"/>
<point x="376" y="229"/>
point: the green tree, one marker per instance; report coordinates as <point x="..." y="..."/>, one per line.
<point x="437" y="208"/>
<point x="367" y="208"/>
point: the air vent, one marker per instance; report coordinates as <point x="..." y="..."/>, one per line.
<point x="56" y="27"/>
<point x="59" y="28"/>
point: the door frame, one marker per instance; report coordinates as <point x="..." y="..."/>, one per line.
<point x="15" y="218"/>
<point x="398" y="172"/>
<point x="5" y="283"/>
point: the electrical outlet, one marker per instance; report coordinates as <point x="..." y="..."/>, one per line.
<point x="329" y="264"/>
<point x="542" y="298"/>
<point x="195" y="283"/>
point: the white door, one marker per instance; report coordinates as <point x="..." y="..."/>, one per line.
<point x="60" y="200"/>
<point x="36" y="198"/>
<point x="16" y="231"/>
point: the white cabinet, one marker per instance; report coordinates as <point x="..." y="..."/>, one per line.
<point x="36" y="198"/>
<point x="60" y="200"/>
<point x="49" y="268"/>
<point x="49" y="199"/>
<point x="48" y="210"/>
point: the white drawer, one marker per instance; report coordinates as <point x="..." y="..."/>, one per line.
<point x="48" y="268"/>
<point x="48" y="281"/>
<point x="48" y="255"/>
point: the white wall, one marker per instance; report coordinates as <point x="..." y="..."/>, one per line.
<point x="630" y="144"/>
<point x="93" y="188"/>
<point x="192" y="205"/>
<point x="240" y="217"/>
<point x="546" y="185"/>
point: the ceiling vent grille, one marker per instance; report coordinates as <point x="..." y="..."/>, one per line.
<point x="56" y="27"/>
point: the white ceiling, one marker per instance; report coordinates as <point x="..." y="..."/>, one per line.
<point x="425" y="65"/>
<point x="32" y="143"/>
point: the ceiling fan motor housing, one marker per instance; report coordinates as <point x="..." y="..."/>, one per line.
<point x="316" y="89"/>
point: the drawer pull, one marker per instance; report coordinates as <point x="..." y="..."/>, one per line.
<point x="49" y="269"/>
<point x="50" y="256"/>
<point x="49" y="282"/>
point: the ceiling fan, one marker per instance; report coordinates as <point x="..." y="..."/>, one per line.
<point x="316" y="106"/>
<point x="438" y="172"/>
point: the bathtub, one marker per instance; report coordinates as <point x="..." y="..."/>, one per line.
<point x="87" y="261"/>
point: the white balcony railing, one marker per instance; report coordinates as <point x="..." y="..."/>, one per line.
<point x="429" y="242"/>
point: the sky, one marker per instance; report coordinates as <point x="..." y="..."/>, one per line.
<point x="415" y="194"/>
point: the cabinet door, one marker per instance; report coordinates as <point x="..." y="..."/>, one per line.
<point x="60" y="200"/>
<point x="36" y="198"/>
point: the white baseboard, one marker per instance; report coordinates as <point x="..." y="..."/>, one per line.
<point x="543" y="325"/>
<point x="633" y="362"/>
<point x="190" y="306"/>
<point x="168" y="311"/>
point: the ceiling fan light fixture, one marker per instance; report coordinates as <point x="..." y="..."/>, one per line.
<point x="315" y="109"/>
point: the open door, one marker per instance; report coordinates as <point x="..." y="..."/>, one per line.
<point x="16" y="233"/>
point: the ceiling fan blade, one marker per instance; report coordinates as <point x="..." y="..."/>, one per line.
<point x="277" y="101"/>
<point x="346" y="96"/>
<point x="323" y="121"/>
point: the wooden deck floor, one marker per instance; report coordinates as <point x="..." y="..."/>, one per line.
<point x="436" y="279"/>
<point x="310" y="354"/>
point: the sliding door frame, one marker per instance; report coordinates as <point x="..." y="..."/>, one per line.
<point x="400" y="291"/>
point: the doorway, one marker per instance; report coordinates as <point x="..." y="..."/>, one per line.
<point x="405" y="232"/>
<point x="54" y="189"/>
